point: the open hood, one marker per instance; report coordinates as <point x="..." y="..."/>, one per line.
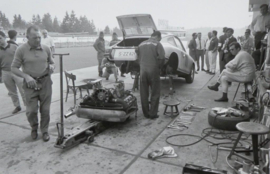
<point x="136" y="25"/>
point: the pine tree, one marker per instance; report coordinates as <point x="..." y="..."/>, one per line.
<point x="4" y="22"/>
<point x="56" y="26"/>
<point x="65" y="24"/>
<point x="47" y="22"/>
<point x="107" y="30"/>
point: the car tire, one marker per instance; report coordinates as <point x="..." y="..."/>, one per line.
<point x="190" y="77"/>
<point x="225" y="123"/>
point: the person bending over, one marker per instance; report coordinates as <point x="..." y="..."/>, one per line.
<point x="110" y="68"/>
<point x="240" y="69"/>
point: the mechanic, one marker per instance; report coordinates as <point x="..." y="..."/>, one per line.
<point x="260" y="24"/>
<point x="200" y="51"/>
<point x="37" y="65"/>
<point x="212" y="52"/>
<point x="248" y="42"/>
<point x="11" y="81"/>
<point x="99" y="45"/>
<point x="12" y="34"/>
<point x="207" y="44"/>
<point x="110" y="68"/>
<point x="151" y="57"/>
<point x="192" y="48"/>
<point x="48" y="41"/>
<point x="240" y="69"/>
<point x="221" y="40"/>
<point x="228" y="56"/>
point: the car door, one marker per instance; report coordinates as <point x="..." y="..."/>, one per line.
<point x="184" y="59"/>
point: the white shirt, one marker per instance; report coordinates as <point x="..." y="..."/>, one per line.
<point x="259" y="23"/>
<point x="208" y="43"/>
<point x="202" y="45"/>
<point x="47" y="41"/>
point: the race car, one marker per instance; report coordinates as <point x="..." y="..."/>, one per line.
<point x="138" y="28"/>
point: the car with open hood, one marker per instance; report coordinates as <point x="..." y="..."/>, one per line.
<point x="138" y="28"/>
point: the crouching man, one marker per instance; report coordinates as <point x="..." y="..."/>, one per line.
<point x="240" y="69"/>
<point x="37" y="65"/>
<point x="110" y="68"/>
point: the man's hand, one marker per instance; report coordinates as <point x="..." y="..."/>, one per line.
<point x="51" y="69"/>
<point x="31" y="83"/>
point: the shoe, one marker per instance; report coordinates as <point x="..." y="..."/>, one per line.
<point x="198" y="69"/>
<point x="153" y="117"/>
<point x="203" y="69"/>
<point x="34" y="134"/>
<point x="46" y="137"/>
<point x="107" y="78"/>
<point x="229" y="83"/>
<point x="207" y="71"/>
<point x="122" y="75"/>
<point x="196" y="72"/>
<point x="213" y="88"/>
<point x="16" y="110"/>
<point x="222" y="99"/>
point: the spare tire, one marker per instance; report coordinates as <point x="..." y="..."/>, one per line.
<point x="226" y="123"/>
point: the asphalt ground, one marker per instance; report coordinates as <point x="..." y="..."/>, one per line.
<point x="79" y="57"/>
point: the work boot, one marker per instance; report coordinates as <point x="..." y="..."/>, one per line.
<point x="16" y="110"/>
<point x="214" y="87"/>
<point x="46" y="137"/>
<point x="34" y="134"/>
<point x="224" y="98"/>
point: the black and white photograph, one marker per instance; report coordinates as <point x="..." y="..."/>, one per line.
<point x="135" y="87"/>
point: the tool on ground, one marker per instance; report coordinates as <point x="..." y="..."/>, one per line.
<point x="191" y="168"/>
<point x="165" y="152"/>
<point x="194" y="108"/>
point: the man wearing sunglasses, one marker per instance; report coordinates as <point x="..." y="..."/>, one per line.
<point x="240" y="69"/>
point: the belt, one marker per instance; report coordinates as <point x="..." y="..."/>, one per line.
<point x="41" y="77"/>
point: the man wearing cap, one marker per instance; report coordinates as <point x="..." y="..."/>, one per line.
<point x="200" y="51"/>
<point x="48" y="41"/>
<point x="12" y="34"/>
<point x="221" y="40"/>
<point x="37" y="66"/>
<point x="260" y="24"/>
<point x="151" y="57"/>
<point x="192" y="45"/>
<point x="11" y="81"/>
<point x="248" y="42"/>
<point x="99" y="46"/>
<point x="228" y="56"/>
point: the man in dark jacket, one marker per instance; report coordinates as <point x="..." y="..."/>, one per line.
<point x="228" y="56"/>
<point x="221" y="40"/>
<point x="192" y="48"/>
<point x="99" y="45"/>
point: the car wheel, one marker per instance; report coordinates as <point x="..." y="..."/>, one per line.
<point x="190" y="77"/>
<point x="225" y="123"/>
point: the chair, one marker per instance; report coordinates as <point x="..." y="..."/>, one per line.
<point x="70" y="79"/>
<point x="246" y="90"/>
<point x="254" y="129"/>
<point x="172" y="104"/>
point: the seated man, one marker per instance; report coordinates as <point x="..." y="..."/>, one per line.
<point x="110" y="68"/>
<point x="240" y="69"/>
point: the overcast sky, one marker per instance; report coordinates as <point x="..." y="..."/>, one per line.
<point x="182" y="13"/>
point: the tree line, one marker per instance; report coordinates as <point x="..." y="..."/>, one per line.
<point x="69" y="24"/>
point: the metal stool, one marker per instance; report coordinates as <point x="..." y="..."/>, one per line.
<point x="171" y="103"/>
<point x="254" y="129"/>
<point x="246" y="89"/>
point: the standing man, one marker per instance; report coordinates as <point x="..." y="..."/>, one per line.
<point x="48" y="41"/>
<point x="114" y="39"/>
<point x="192" y="48"/>
<point x="11" y="81"/>
<point x="248" y="42"/>
<point x="212" y="52"/>
<point x="37" y="66"/>
<point x="222" y="39"/>
<point x="260" y="25"/>
<point x="151" y="57"/>
<point x="228" y="56"/>
<point x="99" y="45"/>
<point x="12" y="34"/>
<point x="200" y="51"/>
<point x="207" y="44"/>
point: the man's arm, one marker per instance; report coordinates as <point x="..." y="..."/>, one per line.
<point x="51" y="65"/>
<point x="216" y="46"/>
<point x="52" y="46"/>
<point x="16" y="64"/>
<point x="253" y="24"/>
<point x="161" y="55"/>
<point x="96" y="45"/>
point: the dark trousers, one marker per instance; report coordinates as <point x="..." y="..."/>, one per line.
<point x="200" y="54"/>
<point x="39" y="100"/>
<point x="221" y="61"/>
<point x="257" y="38"/>
<point x="150" y="78"/>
